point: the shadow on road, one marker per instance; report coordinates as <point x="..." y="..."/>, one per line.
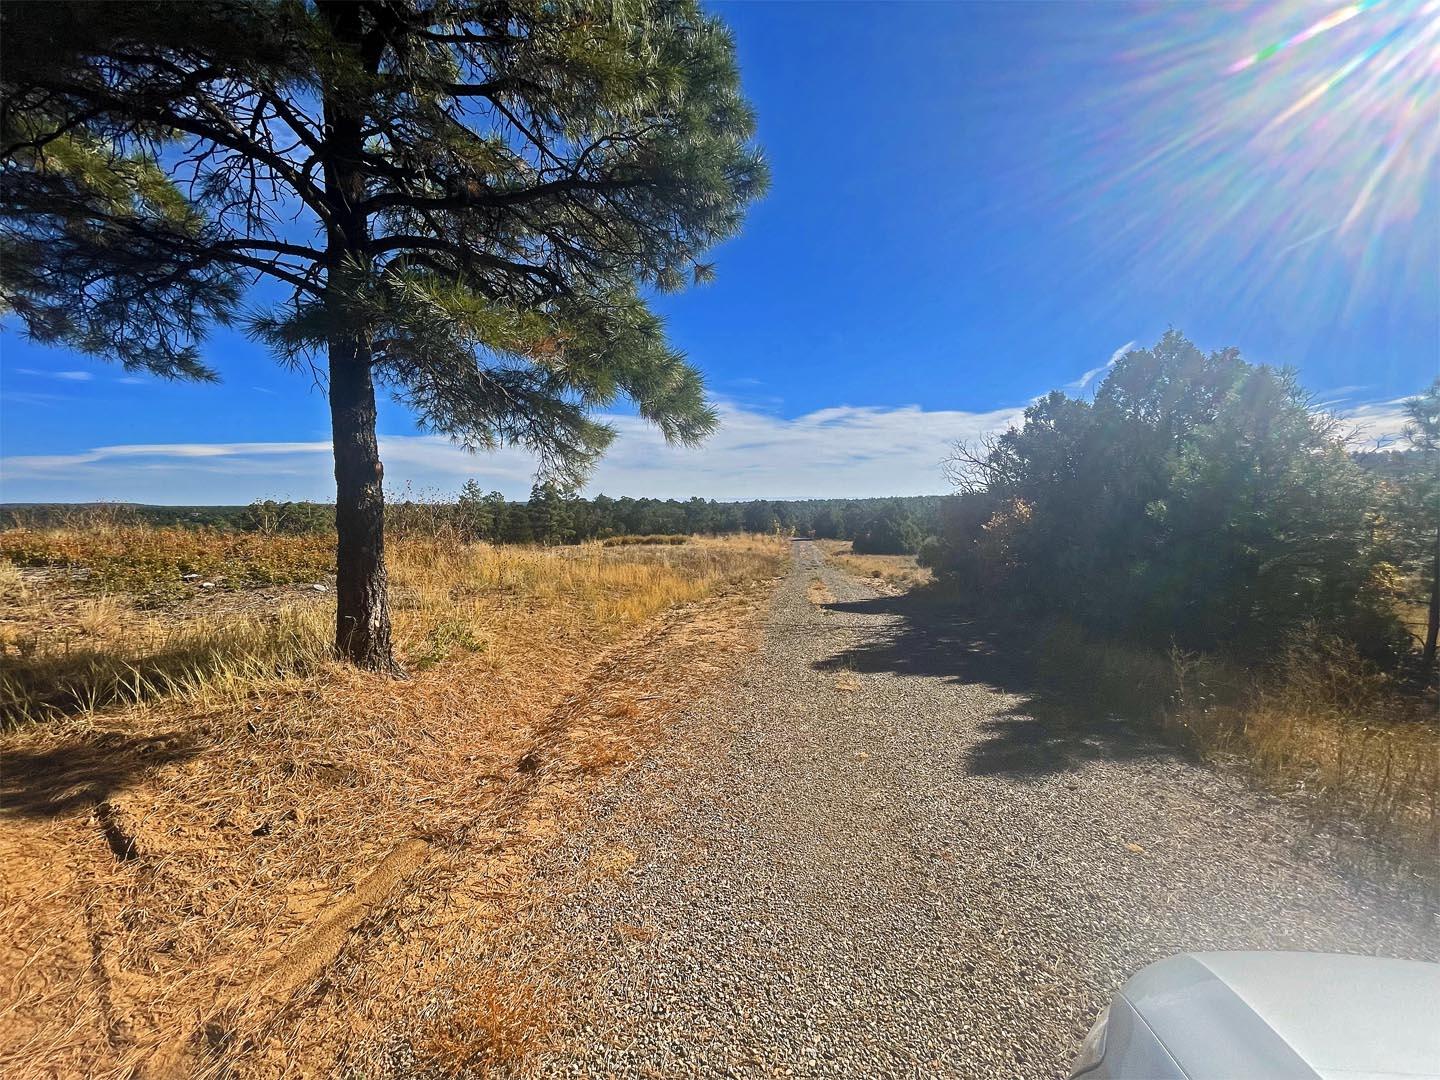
<point x="1051" y="729"/>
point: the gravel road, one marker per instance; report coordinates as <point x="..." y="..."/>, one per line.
<point x="888" y="859"/>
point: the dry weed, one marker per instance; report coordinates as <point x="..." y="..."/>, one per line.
<point x="819" y="593"/>
<point x="503" y="1018"/>
<point x="1361" y="749"/>
<point x="12" y="582"/>
<point x="99" y="616"/>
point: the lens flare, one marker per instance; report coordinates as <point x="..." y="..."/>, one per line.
<point x="1298" y="146"/>
<point x="1330" y="21"/>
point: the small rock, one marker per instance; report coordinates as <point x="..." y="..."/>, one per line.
<point x="189" y="577"/>
<point x="207" y="584"/>
<point x="319" y="588"/>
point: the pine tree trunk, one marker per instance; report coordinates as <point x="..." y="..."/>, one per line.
<point x="362" y="606"/>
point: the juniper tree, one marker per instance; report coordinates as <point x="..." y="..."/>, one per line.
<point x="464" y="202"/>
<point x="1199" y="498"/>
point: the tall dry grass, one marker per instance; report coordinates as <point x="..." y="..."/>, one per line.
<point x="898" y="572"/>
<point x="45" y="679"/>
<point x="448" y="597"/>
<point x="1361" y="747"/>
<point x="1357" y="745"/>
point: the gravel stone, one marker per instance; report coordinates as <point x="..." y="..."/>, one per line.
<point x="922" y="876"/>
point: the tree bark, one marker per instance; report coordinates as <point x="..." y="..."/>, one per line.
<point x="362" y="605"/>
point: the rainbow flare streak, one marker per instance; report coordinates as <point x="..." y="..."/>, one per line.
<point x="1330" y="21"/>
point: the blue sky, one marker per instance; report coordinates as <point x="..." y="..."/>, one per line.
<point x="971" y="204"/>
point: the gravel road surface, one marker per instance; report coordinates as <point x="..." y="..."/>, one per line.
<point x="890" y="859"/>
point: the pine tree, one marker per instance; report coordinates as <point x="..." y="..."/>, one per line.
<point x="476" y="518"/>
<point x="515" y="525"/>
<point x="548" y="513"/>
<point x="459" y="200"/>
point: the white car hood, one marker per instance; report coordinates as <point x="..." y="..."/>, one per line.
<point x="1293" y="1014"/>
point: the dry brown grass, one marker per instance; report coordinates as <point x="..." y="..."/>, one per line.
<point x="1362" y="750"/>
<point x="168" y="853"/>
<point x="893" y="573"/>
<point x="1359" y="749"/>
<point x="114" y="664"/>
<point x="149" y="564"/>
<point x="646" y="538"/>
<point x="67" y="650"/>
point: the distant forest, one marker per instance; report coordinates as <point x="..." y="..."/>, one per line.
<point x="549" y="516"/>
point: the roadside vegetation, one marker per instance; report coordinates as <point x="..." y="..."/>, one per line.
<point x="1202" y="547"/>
<point x="898" y="572"/>
<point x="1354" y="746"/>
<point x="197" y="795"/>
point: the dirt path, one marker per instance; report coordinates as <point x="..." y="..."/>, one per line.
<point x="886" y="858"/>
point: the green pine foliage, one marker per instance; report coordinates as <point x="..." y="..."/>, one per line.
<point x="1198" y="499"/>
<point x="1414" y="507"/>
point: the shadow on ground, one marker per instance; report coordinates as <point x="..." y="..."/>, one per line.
<point x="78" y="774"/>
<point x="1051" y="729"/>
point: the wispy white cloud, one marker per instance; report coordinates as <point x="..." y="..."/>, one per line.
<point x="842" y="451"/>
<point x="1374" y="423"/>
<point x="1090" y="376"/>
<point x="23" y="397"/>
<point x="66" y="376"/>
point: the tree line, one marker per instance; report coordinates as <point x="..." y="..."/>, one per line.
<point x="550" y="516"/>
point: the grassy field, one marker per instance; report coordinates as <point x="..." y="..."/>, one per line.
<point x="201" y="807"/>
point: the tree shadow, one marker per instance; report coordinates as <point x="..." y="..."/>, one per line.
<point x="77" y="774"/>
<point x="1056" y="725"/>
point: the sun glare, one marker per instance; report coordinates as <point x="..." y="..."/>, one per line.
<point x="1274" y="128"/>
